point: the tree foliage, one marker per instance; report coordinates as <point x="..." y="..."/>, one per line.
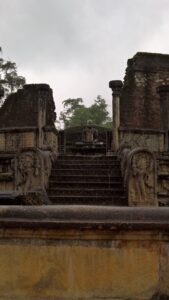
<point x="10" y="81"/>
<point x="77" y="114"/>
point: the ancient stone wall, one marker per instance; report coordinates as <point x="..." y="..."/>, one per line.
<point x="27" y="119"/>
<point x="140" y="103"/>
<point x="154" y="140"/>
<point x="28" y="139"/>
<point x="21" y="109"/>
<point x="84" y="253"/>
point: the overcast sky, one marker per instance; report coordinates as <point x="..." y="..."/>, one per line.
<point x="77" y="46"/>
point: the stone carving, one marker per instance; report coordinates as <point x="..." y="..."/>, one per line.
<point x="139" y="173"/>
<point x="141" y="181"/>
<point x="27" y="169"/>
<point x="152" y="141"/>
<point x="141" y="167"/>
<point x="32" y="170"/>
<point x="28" y="133"/>
<point x="90" y="133"/>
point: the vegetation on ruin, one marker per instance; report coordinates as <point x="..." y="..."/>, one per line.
<point x="10" y="81"/>
<point x="75" y="113"/>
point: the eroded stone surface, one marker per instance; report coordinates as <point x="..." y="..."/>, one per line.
<point x="140" y="104"/>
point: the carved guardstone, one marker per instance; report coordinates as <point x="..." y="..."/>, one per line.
<point x="32" y="169"/>
<point x="141" y="178"/>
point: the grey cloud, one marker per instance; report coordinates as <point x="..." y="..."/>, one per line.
<point x="67" y="40"/>
<point x="71" y="30"/>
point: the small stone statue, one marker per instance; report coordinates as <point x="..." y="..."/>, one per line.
<point x="90" y="134"/>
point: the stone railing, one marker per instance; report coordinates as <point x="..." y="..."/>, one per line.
<point x="138" y="168"/>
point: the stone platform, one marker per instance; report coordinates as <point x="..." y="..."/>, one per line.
<point x="84" y="252"/>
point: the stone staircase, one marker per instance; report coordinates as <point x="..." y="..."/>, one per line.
<point x="91" y="180"/>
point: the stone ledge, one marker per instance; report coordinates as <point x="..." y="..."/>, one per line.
<point x="150" y="62"/>
<point x="141" y="130"/>
<point x="84" y="217"/>
<point x="12" y="129"/>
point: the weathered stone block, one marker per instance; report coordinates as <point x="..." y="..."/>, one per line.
<point x="140" y="102"/>
<point x="2" y="142"/>
<point x="29" y="139"/>
<point x="153" y="141"/>
<point x="84" y="253"/>
<point x="52" y="140"/>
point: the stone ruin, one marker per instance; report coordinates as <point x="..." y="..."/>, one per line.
<point x="140" y="128"/>
<point x="104" y="234"/>
<point x="30" y="144"/>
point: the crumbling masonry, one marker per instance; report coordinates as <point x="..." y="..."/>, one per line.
<point x="89" y="223"/>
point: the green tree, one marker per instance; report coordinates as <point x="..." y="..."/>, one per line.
<point x="80" y="116"/>
<point x="77" y="114"/>
<point x="10" y="81"/>
<point x="70" y="106"/>
<point x="99" y="112"/>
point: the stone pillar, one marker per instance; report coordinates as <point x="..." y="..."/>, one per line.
<point x="43" y="97"/>
<point x="116" y="86"/>
<point x="163" y="91"/>
<point x="41" y="118"/>
<point x="1" y="92"/>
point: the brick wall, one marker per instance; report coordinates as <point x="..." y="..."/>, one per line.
<point x="140" y="104"/>
<point x="21" y="109"/>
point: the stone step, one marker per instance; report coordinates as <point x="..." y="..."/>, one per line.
<point x="88" y="157"/>
<point x="80" y="178"/>
<point x="86" y="167"/>
<point x="82" y="184"/>
<point x="85" y="191"/>
<point x="89" y="200"/>
<point x="87" y="162"/>
<point x="85" y="171"/>
<point x="87" y="179"/>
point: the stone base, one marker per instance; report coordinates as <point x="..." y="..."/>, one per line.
<point x="79" y="252"/>
<point x="35" y="197"/>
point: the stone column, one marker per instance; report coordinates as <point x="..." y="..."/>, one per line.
<point x="163" y="91"/>
<point x="42" y="98"/>
<point x="1" y="92"/>
<point x="116" y="86"/>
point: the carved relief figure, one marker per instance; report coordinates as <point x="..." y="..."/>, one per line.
<point x="142" y="165"/>
<point x="28" y="168"/>
<point x="141" y="178"/>
<point x="32" y="169"/>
